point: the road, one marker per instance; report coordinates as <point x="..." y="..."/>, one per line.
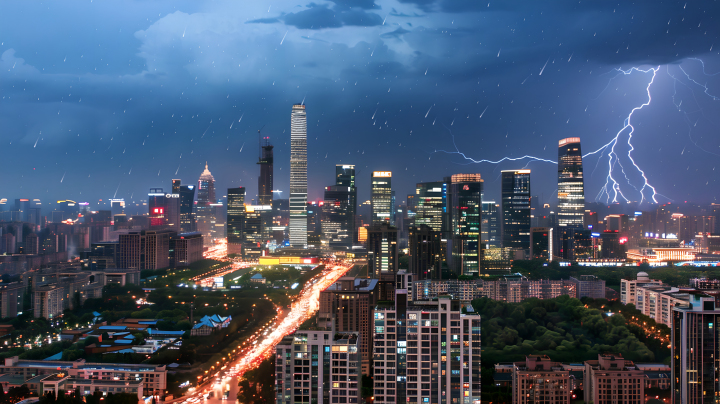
<point x="262" y="344"/>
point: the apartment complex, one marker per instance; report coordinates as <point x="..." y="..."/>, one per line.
<point x="612" y="380"/>
<point x="628" y="287"/>
<point x="318" y="367"/>
<point x="346" y="306"/>
<point x="456" y="289"/>
<point x="537" y="379"/>
<point x="426" y="352"/>
<point x="516" y="288"/>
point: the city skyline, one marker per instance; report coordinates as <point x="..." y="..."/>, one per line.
<point x="389" y="86"/>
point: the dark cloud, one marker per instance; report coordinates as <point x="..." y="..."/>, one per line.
<point x="320" y="16"/>
<point x="263" y="21"/>
<point x="364" y="4"/>
<point x="395" y="34"/>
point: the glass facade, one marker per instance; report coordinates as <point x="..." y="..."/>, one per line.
<point x="516" y="209"/>
<point x="571" y="190"/>
<point x="298" y="177"/>
<point x="381" y="197"/>
<point x="466" y="218"/>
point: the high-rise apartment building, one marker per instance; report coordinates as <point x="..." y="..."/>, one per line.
<point x="539" y="379"/>
<point x="516" y="209"/>
<point x="235" y="219"/>
<point x="318" y="367"/>
<point x="298" y="177"/>
<point x="571" y="189"/>
<point x="204" y="212"/>
<point x="381" y="198"/>
<point x="148" y="249"/>
<point x="11" y="299"/>
<point x="426" y="352"/>
<point x="347" y="305"/>
<point x="613" y="379"/>
<point x="695" y="351"/>
<point x="382" y="251"/>
<point x="465" y="214"/>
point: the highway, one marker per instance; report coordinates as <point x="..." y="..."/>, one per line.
<point x="261" y="345"/>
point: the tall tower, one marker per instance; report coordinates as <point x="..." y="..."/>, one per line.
<point x="466" y="222"/>
<point x="265" y="181"/>
<point x="345" y="176"/>
<point x="235" y="219"/>
<point x="516" y="209"/>
<point x="203" y="211"/>
<point x="298" y="177"/>
<point x="571" y="190"/>
<point x="381" y="198"/>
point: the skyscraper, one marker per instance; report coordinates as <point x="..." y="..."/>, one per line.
<point x="298" y="177"/>
<point x="203" y="211"/>
<point x="235" y="219"/>
<point x="265" y="180"/>
<point x="571" y="191"/>
<point x="431" y="204"/>
<point x="695" y="351"/>
<point x="490" y="227"/>
<point x="516" y="209"/>
<point x="187" y="198"/>
<point x="345" y="176"/>
<point x="381" y="197"/>
<point x="156" y="207"/>
<point x="338" y="224"/>
<point x="465" y="221"/>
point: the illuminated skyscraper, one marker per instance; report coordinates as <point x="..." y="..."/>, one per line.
<point x="571" y="190"/>
<point x="235" y="219"/>
<point x="381" y="197"/>
<point x="431" y="205"/>
<point x="156" y="207"/>
<point x="203" y="211"/>
<point x="465" y="221"/>
<point x="516" y="209"/>
<point x="298" y="177"/>
<point x="345" y="177"/>
<point x="187" y="198"/>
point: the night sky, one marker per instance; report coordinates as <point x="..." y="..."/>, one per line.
<point x="103" y="99"/>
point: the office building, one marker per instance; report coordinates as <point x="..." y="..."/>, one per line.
<point x="187" y="203"/>
<point x="298" y="177"/>
<point x="426" y="352"/>
<point x="265" y="180"/>
<point x="425" y="252"/>
<point x="571" y="189"/>
<point x="541" y="243"/>
<point x="538" y="379"/>
<point x="612" y="245"/>
<point x="695" y="351"/>
<point x="147" y="249"/>
<point x="381" y="198"/>
<point x="338" y="219"/>
<point x="253" y="235"/>
<point x="431" y="205"/>
<point x="346" y="306"/>
<point x="575" y="244"/>
<point x="490" y="225"/>
<point x="382" y="251"/>
<point x="204" y="212"/>
<point x="185" y="248"/>
<point x="345" y="177"/>
<point x="235" y="219"/>
<point x="318" y="367"/>
<point x="515" y="224"/>
<point x="465" y="214"/>
<point x="156" y="207"/>
<point x="589" y="286"/>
